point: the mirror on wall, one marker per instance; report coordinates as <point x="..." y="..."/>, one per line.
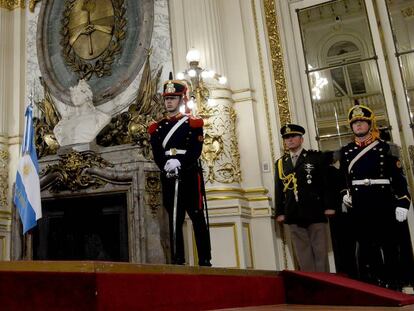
<point x="401" y="14"/>
<point x="341" y="68"/>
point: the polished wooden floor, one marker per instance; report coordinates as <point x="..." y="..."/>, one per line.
<point x="318" y="308"/>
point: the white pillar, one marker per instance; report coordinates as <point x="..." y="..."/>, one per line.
<point x="12" y="42"/>
<point x="237" y="198"/>
<point x="6" y="32"/>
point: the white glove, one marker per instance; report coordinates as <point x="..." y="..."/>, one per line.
<point x="172" y="165"/>
<point x="401" y="214"/>
<point x="346" y="202"/>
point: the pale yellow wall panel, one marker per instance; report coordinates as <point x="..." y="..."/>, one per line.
<point x="224" y="248"/>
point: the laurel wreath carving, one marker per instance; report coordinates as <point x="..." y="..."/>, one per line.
<point x="103" y="65"/>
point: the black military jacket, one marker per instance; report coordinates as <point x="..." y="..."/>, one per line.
<point x="311" y="201"/>
<point x="370" y="199"/>
<point x="188" y="137"/>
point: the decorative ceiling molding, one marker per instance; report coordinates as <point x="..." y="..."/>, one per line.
<point x="11" y="4"/>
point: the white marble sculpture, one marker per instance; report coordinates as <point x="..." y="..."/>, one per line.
<point x="81" y="123"/>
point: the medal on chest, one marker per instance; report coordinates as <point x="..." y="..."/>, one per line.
<point x="308" y="169"/>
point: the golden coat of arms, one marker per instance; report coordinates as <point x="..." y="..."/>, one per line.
<point x="92" y="33"/>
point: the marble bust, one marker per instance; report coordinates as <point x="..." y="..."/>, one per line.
<point x="82" y="122"/>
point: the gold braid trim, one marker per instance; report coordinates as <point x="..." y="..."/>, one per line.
<point x="289" y="181"/>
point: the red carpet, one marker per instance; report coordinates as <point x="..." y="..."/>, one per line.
<point x="318" y="288"/>
<point x="46" y="291"/>
<point x="42" y="285"/>
<point x="115" y="286"/>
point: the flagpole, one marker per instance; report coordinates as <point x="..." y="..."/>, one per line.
<point x="28" y="116"/>
<point x="27" y="196"/>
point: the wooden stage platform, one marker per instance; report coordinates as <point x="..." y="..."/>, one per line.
<point x="89" y="286"/>
<point x="110" y="286"/>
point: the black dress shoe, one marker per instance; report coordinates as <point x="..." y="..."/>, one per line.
<point x="178" y="261"/>
<point x="204" y="263"/>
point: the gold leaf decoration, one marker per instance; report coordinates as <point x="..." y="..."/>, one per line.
<point x="71" y="171"/>
<point x="12" y="4"/>
<point x="71" y="31"/>
<point x="131" y="126"/>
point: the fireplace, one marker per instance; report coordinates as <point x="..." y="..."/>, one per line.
<point x="98" y="205"/>
<point x="83" y="228"/>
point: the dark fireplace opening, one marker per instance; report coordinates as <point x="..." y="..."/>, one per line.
<point x="83" y="228"/>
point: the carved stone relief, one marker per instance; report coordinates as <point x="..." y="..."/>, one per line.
<point x="103" y="41"/>
<point x="92" y="31"/>
<point x="220" y="150"/>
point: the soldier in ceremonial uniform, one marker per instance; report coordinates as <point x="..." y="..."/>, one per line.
<point x="376" y="197"/>
<point x="302" y="200"/>
<point x="177" y="141"/>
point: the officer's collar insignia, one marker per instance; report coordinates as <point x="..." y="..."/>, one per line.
<point x="357" y="112"/>
<point x="170" y="87"/>
<point x="287" y="130"/>
<point x="309" y="166"/>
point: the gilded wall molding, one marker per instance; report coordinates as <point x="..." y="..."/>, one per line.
<point x="411" y="156"/>
<point x="277" y="60"/>
<point x="408" y="12"/>
<point x="78" y="52"/>
<point x="11" y="4"/>
<point x="237" y="190"/>
<point x="152" y="194"/>
<point x="279" y="77"/>
<point x="265" y="99"/>
<point x="71" y="173"/>
<point x="4" y="178"/>
<point x="32" y="5"/>
<point x="221" y="157"/>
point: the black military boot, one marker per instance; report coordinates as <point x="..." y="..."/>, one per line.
<point x="178" y="261"/>
<point x="204" y="263"/>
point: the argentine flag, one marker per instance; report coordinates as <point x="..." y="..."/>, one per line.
<point x="27" y="190"/>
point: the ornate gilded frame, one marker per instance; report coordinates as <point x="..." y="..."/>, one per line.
<point x="278" y="66"/>
<point x="12" y="4"/>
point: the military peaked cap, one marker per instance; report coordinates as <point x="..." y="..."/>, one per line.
<point x="360" y="112"/>
<point x="174" y="88"/>
<point x="291" y="130"/>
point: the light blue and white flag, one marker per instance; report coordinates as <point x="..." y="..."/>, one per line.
<point x="27" y="190"/>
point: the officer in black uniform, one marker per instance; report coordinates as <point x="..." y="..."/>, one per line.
<point x="376" y="197"/>
<point x="177" y="141"/>
<point x="301" y="199"/>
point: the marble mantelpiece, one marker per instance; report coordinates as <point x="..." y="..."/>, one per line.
<point x="128" y="172"/>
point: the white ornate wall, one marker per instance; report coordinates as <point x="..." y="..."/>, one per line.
<point x="12" y="80"/>
<point x="229" y="35"/>
<point x="252" y="43"/>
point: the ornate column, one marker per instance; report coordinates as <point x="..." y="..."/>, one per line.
<point x="10" y="77"/>
<point x="6" y="28"/>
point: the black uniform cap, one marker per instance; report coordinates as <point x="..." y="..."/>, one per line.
<point x="174" y="88"/>
<point x="360" y="112"/>
<point x="291" y="130"/>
